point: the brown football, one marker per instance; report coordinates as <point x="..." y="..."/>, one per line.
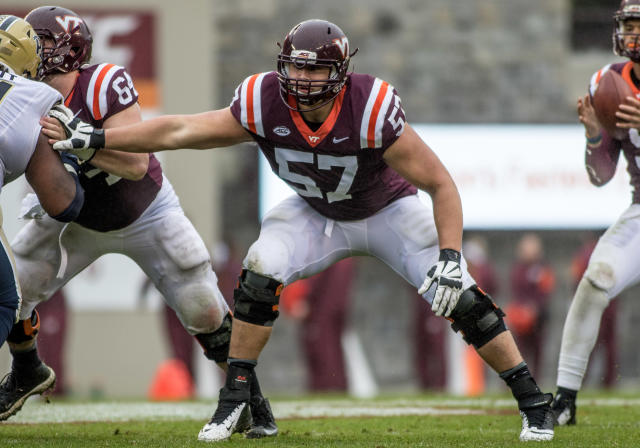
<point x="610" y="93"/>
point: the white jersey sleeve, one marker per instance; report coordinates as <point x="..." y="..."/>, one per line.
<point x="22" y="103"/>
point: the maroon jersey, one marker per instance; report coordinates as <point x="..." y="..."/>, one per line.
<point x="338" y="169"/>
<point x="111" y="202"/>
<point x="601" y="162"/>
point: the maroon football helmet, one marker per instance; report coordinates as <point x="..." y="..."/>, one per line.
<point x="315" y="43"/>
<point x="629" y="9"/>
<point x="70" y="34"/>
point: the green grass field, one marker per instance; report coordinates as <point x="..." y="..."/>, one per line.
<point x="423" y="421"/>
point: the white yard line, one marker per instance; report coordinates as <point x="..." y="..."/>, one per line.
<point x="36" y="411"/>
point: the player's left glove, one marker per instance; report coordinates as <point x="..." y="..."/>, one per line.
<point x="83" y="140"/>
<point x="446" y="274"/>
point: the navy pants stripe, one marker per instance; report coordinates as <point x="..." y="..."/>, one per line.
<point x="9" y="298"/>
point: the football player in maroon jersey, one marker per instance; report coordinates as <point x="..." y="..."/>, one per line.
<point x="340" y="140"/>
<point x="130" y="208"/>
<point x="612" y="267"/>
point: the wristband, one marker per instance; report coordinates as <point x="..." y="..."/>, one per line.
<point x="450" y="255"/>
<point x="594" y="140"/>
<point x="97" y="140"/>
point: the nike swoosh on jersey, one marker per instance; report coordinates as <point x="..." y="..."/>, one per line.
<point x="338" y="140"/>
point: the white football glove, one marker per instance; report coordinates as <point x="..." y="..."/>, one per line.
<point x="446" y="275"/>
<point x="83" y="140"/>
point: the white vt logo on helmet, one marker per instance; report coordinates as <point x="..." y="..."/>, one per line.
<point x="65" y="21"/>
<point x="343" y="44"/>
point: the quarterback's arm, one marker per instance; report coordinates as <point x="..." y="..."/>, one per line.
<point x="601" y="159"/>
<point x="58" y="191"/>
<point x="418" y="164"/>
<point x="602" y="152"/>
<point x="211" y="129"/>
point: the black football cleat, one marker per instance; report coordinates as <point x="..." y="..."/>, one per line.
<point x="18" y="385"/>
<point x="264" y="425"/>
<point x="233" y="413"/>
<point x="537" y="420"/>
<point x="563" y="407"/>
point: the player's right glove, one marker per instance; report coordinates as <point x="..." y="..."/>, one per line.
<point x="83" y="140"/>
<point x="446" y="275"/>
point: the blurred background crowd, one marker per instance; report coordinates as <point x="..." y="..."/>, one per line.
<point x="357" y="327"/>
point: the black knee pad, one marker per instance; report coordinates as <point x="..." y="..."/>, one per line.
<point x="25" y="330"/>
<point x="216" y="343"/>
<point x="256" y="299"/>
<point x="477" y="317"/>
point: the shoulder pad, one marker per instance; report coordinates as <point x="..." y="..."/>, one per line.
<point x="248" y="97"/>
<point x="109" y="84"/>
<point x="382" y="102"/>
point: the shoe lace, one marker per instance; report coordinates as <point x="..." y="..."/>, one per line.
<point x="537" y="416"/>
<point x="223" y="411"/>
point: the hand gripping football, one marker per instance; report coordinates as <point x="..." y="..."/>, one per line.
<point x="610" y="93"/>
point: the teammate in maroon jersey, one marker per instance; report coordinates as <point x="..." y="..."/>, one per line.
<point x="340" y="140"/>
<point x="613" y="266"/>
<point x="130" y="208"/>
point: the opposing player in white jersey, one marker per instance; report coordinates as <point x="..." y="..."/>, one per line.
<point x="24" y="150"/>
<point x="613" y="266"/>
<point x="341" y="141"/>
<point x="130" y="208"/>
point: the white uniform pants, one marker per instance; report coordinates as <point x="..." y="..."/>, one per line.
<point x="296" y="241"/>
<point x="162" y="241"/>
<point x="612" y="266"/>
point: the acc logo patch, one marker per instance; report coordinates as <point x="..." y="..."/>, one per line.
<point x="282" y="131"/>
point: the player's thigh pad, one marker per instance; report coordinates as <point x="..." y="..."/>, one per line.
<point x="181" y="242"/>
<point x="37" y="250"/>
<point x="185" y="278"/>
<point x="613" y="264"/>
<point x="38" y="239"/>
<point x="404" y="236"/>
<point x="37" y="256"/>
<point x="293" y="243"/>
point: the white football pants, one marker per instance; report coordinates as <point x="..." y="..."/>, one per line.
<point x="612" y="268"/>
<point x="297" y="242"/>
<point x="162" y="241"/>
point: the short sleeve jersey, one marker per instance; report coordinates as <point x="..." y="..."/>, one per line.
<point x="22" y="103"/>
<point x="338" y="168"/>
<point x="630" y="144"/>
<point x="111" y="202"/>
